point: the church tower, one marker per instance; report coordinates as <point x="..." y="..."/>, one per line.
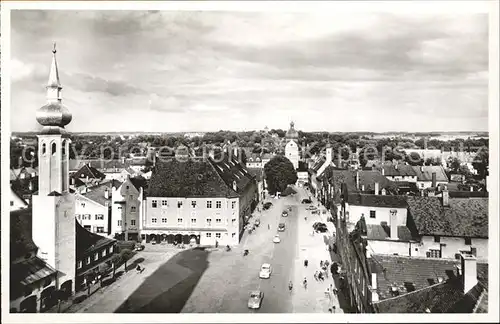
<point x="292" y="146"/>
<point x="54" y="228"/>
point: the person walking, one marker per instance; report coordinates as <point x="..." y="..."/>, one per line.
<point x="305" y="283"/>
<point x="268" y="226"/>
<point x="316" y="275"/>
<point x="306" y="263"/>
<point x="321" y="264"/>
<point x="290" y="286"/>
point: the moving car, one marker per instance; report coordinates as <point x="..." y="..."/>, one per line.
<point x="276" y="239"/>
<point x="267" y="205"/>
<point x="306" y="201"/>
<point x="310" y="207"/>
<point x="281" y="227"/>
<point x="284" y="213"/>
<point x="265" y="271"/>
<point x="255" y="300"/>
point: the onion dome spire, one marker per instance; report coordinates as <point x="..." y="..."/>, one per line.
<point x="53" y="116"/>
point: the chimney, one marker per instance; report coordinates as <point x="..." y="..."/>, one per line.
<point x="394" y="224"/>
<point x="446" y="197"/>
<point x="123" y="159"/>
<point x="376" y="188"/>
<point x="471" y="188"/>
<point x="383" y="192"/>
<point x="235" y="152"/>
<point x="469" y="271"/>
<point x="106" y="193"/>
<point x="362" y="187"/>
<point x="383" y="171"/>
<point x="396" y="166"/>
<point x="433" y="185"/>
<point x="235" y="187"/>
<point x="374" y="288"/>
<point x="357" y="180"/>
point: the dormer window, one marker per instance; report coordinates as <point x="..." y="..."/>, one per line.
<point x="193" y="204"/>
<point x="179" y="204"/>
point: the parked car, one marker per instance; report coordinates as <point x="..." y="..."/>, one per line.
<point x="139" y="247"/>
<point x="284" y="213"/>
<point x="281" y="227"/>
<point x="306" y="201"/>
<point x="311" y="207"/>
<point x="255" y="300"/>
<point x="276" y="239"/>
<point x="257" y="222"/>
<point x="265" y="271"/>
<point x="267" y="205"/>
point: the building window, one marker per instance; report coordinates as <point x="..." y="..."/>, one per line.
<point x="233" y="204"/>
<point x="193" y="203"/>
<point x="163" y="220"/>
<point x="111" y="249"/>
<point x="218" y="204"/>
<point x="233" y="221"/>
<point x="78" y="216"/>
<point x="164" y="202"/>
<point x="437" y="239"/>
<point x="179" y="204"/>
<point x="99" y="229"/>
<point x="87" y="227"/>
<point x="88" y="260"/>
<point x="44" y="148"/>
<point x="179" y="220"/>
<point x="99" y="217"/>
<point x="103" y="253"/>
<point x="132" y="222"/>
<point x="473" y="251"/>
<point x="119" y="207"/>
<point x="372" y="213"/>
<point x="119" y="222"/>
<point x="434" y="253"/>
<point x="153" y="220"/>
<point x="96" y="256"/>
<point x="209" y="221"/>
<point x="132" y="209"/>
<point x="233" y="235"/>
<point x="54" y="148"/>
<point x="79" y="264"/>
<point x="468" y="241"/>
<point x="154" y="203"/>
<point x="82" y="204"/>
<point x="193" y="220"/>
<point x="217" y="235"/>
<point x="131" y="197"/>
<point x="218" y="220"/>
<point x="11" y="203"/>
<point x="209" y="204"/>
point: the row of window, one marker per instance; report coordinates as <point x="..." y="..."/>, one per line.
<point x="218" y="204"/>
<point x="53" y="148"/>
<point x="218" y="235"/>
<point x="89" y="217"/>
<point x="132" y="222"/>
<point x="96" y="256"/>
<point x="164" y="220"/>
<point x="98" y="229"/>
<point x="468" y="240"/>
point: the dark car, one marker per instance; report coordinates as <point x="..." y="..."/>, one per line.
<point x="267" y="205"/>
<point x="281" y="227"/>
<point x="306" y="201"/>
<point x="284" y="213"/>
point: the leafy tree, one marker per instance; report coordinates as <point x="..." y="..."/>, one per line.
<point x="414" y="159"/>
<point x="455" y="164"/>
<point x="279" y="174"/>
<point x="481" y="162"/>
<point x="115" y="261"/>
<point x="126" y="254"/>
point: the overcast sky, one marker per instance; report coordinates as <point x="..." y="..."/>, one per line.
<point x="205" y="71"/>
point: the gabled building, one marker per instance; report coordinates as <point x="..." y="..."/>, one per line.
<point x="258" y="161"/>
<point x="447" y="226"/>
<point x="317" y="168"/>
<point x="398" y="172"/>
<point x="203" y="200"/>
<point x="128" y="209"/>
<point x="93" y="207"/>
<point x="292" y="146"/>
<point x="430" y="176"/>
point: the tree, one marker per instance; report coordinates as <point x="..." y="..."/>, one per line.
<point x="279" y="174"/>
<point x="414" y="159"/>
<point x="481" y="162"/>
<point x="115" y="260"/>
<point x="126" y="254"/>
<point x="455" y="164"/>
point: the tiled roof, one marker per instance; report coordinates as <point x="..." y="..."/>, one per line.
<point x="424" y="173"/>
<point x="21" y="242"/>
<point x="417" y="282"/>
<point x="386" y="201"/>
<point x="96" y="193"/>
<point x="233" y="172"/>
<point x="379" y="233"/>
<point x="367" y="178"/>
<point x="258" y="173"/>
<point x="88" y="171"/>
<point x="30" y="270"/>
<point x="192" y="178"/>
<point x="87" y="242"/>
<point x="391" y="169"/>
<point x="465" y="217"/>
<point x="318" y="163"/>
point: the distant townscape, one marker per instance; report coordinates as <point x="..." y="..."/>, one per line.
<point x="270" y="220"/>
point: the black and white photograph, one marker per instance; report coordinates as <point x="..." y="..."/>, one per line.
<point x="177" y="160"/>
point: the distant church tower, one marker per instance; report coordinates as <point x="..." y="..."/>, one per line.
<point x="292" y="146"/>
<point x="54" y="228"/>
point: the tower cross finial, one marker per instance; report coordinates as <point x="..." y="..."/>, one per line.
<point x="54" y="48"/>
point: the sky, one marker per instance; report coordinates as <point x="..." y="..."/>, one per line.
<point x="170" y="71"/>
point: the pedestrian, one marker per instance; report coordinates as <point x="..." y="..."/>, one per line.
<point x="290" y="286"/>
<point x="268" y="226"/>
<point x="316" y="276"/>
<point x="327" y="292"/>
<point x="327" y="263"/>
<point x="331" y="287"/>
<point x="326" y="273"/>
<point x="320" y="276"/>
<point x="321" y="264"/>
<point x="305" y="283"/>
<point x="335" y="291"/>
<point x="306" y="263"/>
